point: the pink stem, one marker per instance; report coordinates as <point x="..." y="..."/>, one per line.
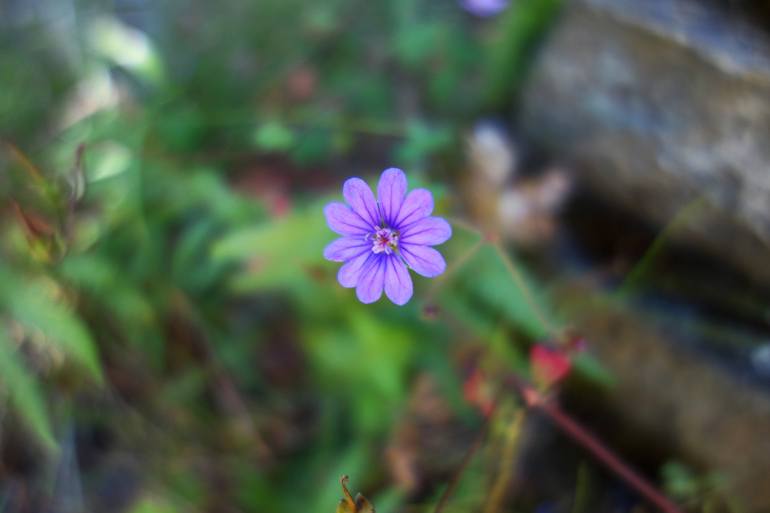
<point x="585" y="439"/>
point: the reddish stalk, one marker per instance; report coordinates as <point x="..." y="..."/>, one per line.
<point x="568" y="425"/>
<point x="593" y="445"/>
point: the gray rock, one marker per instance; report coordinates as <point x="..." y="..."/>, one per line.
<point x="663" y="104"/>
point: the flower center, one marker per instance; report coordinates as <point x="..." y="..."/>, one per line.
<point x="384" y="240"/>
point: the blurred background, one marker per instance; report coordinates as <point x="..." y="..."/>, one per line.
<point x="171" y="339"/>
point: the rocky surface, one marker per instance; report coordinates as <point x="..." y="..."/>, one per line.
<point x="663" y="104"/>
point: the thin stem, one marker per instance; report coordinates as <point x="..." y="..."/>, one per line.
<point x="518" y="279"/>
<point x="466" y="225"/>
<point x="513" y="434"/>
<point x="582" y="488"/>
<point x="467" y="458"/>
<point x="455" y="266"/>
<point x="680" y="218"/>
<point x="226" y="390"/>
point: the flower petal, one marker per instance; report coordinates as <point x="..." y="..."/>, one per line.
<point x="344" y="221"/>
<point x="417" y="205"/>
<point x="345" y="248"/>
<point x="361" y="199"/>
<point x="390" y="192"/>
<point x="429" y="231"/>
<point x="350" y="273"/>
<point x="398" y="283"/>
<point x="372" y="279"/>
<point x="423" y="259"/>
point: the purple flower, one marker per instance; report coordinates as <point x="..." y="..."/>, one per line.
<point x="484" y="8"/>
<point x="381" y="239"/>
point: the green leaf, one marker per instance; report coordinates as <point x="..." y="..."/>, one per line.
<point x="365" y="359"/>
<point x="679" y="480"/>
<point x="276" y="252"/>
<point x="24" y="392"/>
<point x="34" y="306"/>
<point x="106" y="160"/>
<point x="274" y="136"/>
<point x="125" y="46"/>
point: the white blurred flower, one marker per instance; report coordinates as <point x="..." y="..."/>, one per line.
<point x="95" y="92"/>
<point x="528" y="210"/>
<point x="491" y="152"/>
<point x="125" y="46"/>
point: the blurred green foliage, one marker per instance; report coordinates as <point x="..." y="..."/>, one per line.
<point x="147" y="289"/>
